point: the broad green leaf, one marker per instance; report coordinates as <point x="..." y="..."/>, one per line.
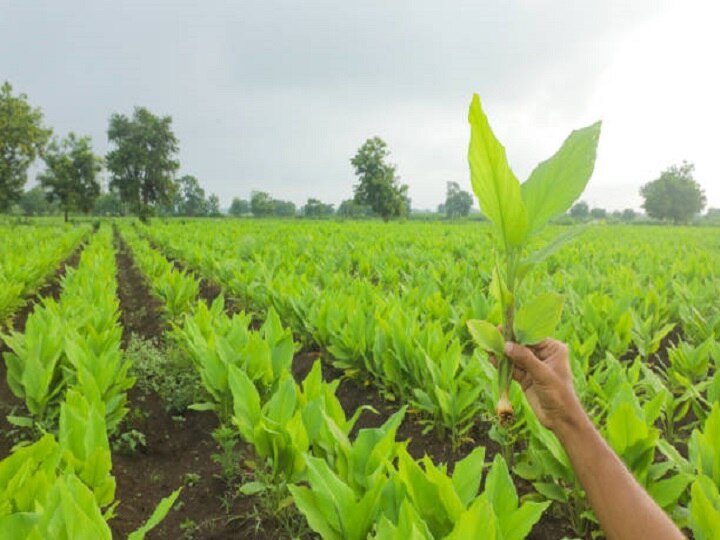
<point x="315" y="511"/>
<point x="500" y="489"/>
<point x="494" y="183"/>
<point x="704" y="509"/>
<point x="478" y="522"/>
<point x="554" y="245"/>
<point x="537" y="320"/>
<point x="161" y="510"/>
<point x="667" y="492"/>
<point x="556" y="183"/>
<point x="486" y="335"/>
<point x="468" y="474"/>
<point x="519" y="524"/>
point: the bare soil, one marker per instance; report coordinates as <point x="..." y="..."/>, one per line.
<point x="177" y="451"/>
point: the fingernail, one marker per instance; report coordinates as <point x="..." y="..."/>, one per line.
<point x="508" y="348"/>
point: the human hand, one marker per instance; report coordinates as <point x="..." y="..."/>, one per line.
<point x="543" y="371"/>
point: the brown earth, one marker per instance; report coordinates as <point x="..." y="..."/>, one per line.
<point x="178" y="449"/>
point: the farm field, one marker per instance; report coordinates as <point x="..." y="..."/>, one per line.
<point x="279" y="379"/>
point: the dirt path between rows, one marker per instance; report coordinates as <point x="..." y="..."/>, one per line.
<point x="178" y="447"/>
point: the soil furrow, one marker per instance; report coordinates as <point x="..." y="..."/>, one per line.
<point x="178" y="447"/>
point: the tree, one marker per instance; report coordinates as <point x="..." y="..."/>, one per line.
<point x="628" y="214"/>
<point x="314" y="209"/>
<point x="71" y="175"/>
<point x="261" y="204"/>
<point x="580" y="210"/>
<point x="190" y="197"/>
<point x="143" y="161"/>
<point x="239" y="207"/>
<point x="22" y="139"/>
<point x="457" y="201"/>
<point x="109" y="204"/>
<point x="598" y="213"/>
<point x="378" y="186"/>
<point x="675" y="196"/>
<point x="212" y="206"/>
<point x="34" y="202"/>
<point x="284" y="208"/>
<point x="350" y="209"/>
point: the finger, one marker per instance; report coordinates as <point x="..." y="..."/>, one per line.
<point x="524" y="358"/>
<point x="519" y="374"/>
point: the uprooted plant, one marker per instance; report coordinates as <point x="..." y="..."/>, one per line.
<point x="518" y="212"/>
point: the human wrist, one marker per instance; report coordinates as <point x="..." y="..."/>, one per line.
<point x="573" y="422"/>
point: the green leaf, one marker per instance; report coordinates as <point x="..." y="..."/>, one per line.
<point x="554" y="492"/>
<point x="494" y="183"/>
<point x="537" y="320"/>
<point x="518" y="525"/>
<point x="251" y="488"/>
<point x="500" y="490"/>
<point x="20" y="421"/>
<point x="468" y="474"/>
<point x="316" y="512"/>
<point x="554" y="245"/>
<point x="161" y="510"/>
<point x="202" y="407"/>
<point x="478" y="522"/>
<point x="486" y="335"/>
<point x="556" y="183"/>
<point x="667" y="492"/>
<point x="704" y="509"/>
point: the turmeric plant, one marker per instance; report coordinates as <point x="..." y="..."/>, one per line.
<point x="518" y="212"/>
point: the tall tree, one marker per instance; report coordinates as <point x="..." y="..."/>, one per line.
<point x="190" y="197"/>
<point x="350" y="209"/>
<point x="238" y="207"/>
<point x="675" y="196"/>
<point x="261" y="204"/>
<point x="22" y="139"/>
<point x="379" y="187"/>
<point x="212" y="206"/>
<point x="34" y="202"/>
<point x="143" y="163"/>
<point x="109" y="204"/>
<point x="315" y="208"/>
<point x="580" y="210"/>
<point x="71" y="174"/>
<point x="457" y="201"/>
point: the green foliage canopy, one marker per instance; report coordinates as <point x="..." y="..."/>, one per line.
<point x="675" y="196"/>
<point x="71" y="175"/>
<point x="22" y="139"/>
<point x="378" y="186"/>
<point x="142" y="162"/>
<point x="239" y="207"/>
<point x="457" y="201"/>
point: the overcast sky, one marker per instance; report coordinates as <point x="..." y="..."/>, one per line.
<point x="278" y="95"/>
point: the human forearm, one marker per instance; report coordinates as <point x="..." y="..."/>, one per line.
<point x="622" y="506"/>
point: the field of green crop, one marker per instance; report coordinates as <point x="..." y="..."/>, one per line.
<point x="257" y="379"/>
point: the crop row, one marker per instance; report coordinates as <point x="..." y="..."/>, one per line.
<point x="68" y="368"/>
<point x="366" y="486"/>
<point x="27" y="257"/>
<point x="643" y="335"/>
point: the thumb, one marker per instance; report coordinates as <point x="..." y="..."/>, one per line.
<point x="524" y="358"/>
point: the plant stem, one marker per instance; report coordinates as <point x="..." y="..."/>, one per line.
<point x="504" y="408"/>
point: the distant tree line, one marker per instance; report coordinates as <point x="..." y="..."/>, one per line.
<point x="142" y="165"/>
